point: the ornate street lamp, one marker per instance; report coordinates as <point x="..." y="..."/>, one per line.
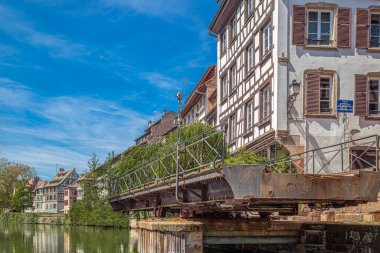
<point x="295" y="88"/>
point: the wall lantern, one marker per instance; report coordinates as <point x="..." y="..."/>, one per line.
<point x="295" y="88"/>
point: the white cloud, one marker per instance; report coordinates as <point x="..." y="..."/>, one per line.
<point x="20" y="29"/>
<point x="62" y="130"/>
<point x="161" y="81"/>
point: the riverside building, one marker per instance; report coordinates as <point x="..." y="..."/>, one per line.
<point x="283" y="64"/>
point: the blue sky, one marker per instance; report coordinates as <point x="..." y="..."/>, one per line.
<point x="78" y="77"/>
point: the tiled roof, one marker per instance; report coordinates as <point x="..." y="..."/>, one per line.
<point x="59" y="178"/>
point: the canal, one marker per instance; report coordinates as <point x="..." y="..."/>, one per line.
<point x="63" y="239"/>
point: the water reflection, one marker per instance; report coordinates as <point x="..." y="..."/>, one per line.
<point x="63" y="239"/>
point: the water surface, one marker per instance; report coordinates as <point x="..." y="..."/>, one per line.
<point x="63" y="239"/>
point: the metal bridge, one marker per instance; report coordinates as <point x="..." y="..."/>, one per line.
<point x="192" y="179"/>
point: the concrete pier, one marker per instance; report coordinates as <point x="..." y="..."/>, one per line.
<point x="170" y="236"/>
<point x="186" y="236"/>
<point x="254" y="235"/>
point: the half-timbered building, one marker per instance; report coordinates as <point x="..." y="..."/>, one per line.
<point x="266" y="48"/>
<point x="201" y="103"/>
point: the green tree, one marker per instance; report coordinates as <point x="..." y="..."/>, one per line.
<point x="10" y="174"/>
<point x="93" y="163"/>
<point x="22" y="197"/>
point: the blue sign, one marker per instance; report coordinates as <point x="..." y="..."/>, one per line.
<point x="345" y="106"/>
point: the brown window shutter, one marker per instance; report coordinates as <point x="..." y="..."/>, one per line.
<point x="361" y="87"/>
<point x="344" y="27"/>
<point x="362" y="28"/>
<point x="313" y="93"/>
<point x="299" y="25"/>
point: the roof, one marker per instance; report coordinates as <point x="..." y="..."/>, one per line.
<point x="40" y="184"/>
<point x="223" y="15"/>
<point x="147" y="131"/>
<point x="87" y="176"/>
<point x="201" y="87"/>
<point x="60" y="177"/>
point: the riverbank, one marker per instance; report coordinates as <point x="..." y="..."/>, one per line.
<point x="60" y="219"/>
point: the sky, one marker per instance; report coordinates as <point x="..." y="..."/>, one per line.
<point x="82" y="77"/>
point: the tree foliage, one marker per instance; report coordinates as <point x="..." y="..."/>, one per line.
<point x="22" y="198"/>
<point x="94" y="209"/>
<point x="138" y="155"/>
<point x="281" y="164"/>
<point x="10" y="174"/>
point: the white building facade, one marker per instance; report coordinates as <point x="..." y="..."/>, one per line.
<point x="331" y="47"/>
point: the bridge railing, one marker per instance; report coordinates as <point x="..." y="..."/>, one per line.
<point x="355" y="154"/>
<point x="199" y="152"/>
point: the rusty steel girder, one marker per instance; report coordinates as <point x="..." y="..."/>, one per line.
<point x="249" y="187"/>
<point x="256" y="183"/>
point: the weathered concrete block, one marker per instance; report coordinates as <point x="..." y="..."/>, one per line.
<point x="348" y="217"/>
<point x="371" y="217"/>
<point x="328" y="217"/>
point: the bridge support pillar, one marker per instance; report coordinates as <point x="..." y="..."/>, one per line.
<point x="174" y="236"/>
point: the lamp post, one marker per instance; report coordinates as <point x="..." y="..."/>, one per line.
<point x="295" y="88"/>
<point x="179" y="99"/>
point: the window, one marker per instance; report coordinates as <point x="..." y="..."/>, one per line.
<point x="233" y="77"/>
<point x="267" y="39"/>
<point x="374" y="99"/>
<point x="66" y="202"/>
<point x="233" y="28"/>
<point x="233" y="127"/>
<point x="320" y="93"/>
<point x="265" y="103"/>
<point x="66" y="192"/>
<point x="223" y="42"/>
<point x="375" y="30"/>
<point x="325" y="95"/>
<point x="250" y="7"/>
<point x="319" y="27"/>
<point x="250" y="57"/>
<point x="249" y="115"/>
<point x="224" y="89"/>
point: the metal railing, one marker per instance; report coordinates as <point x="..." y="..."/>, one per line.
<point x="199" y="152"/>
<point x="356" y="154"/>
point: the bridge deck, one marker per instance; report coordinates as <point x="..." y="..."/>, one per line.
<point x="250" y="188"/>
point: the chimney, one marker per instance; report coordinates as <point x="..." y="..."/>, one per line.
<point x="149" y="123"/>
<point x="164" y="112"/>
<point x="61" y="169"/>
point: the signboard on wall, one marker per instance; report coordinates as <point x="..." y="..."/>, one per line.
<point x="346" y="106"/>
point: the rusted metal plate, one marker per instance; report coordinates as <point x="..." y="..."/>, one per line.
<point x="253" y="182"/>
<point x="252" y="188"/>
